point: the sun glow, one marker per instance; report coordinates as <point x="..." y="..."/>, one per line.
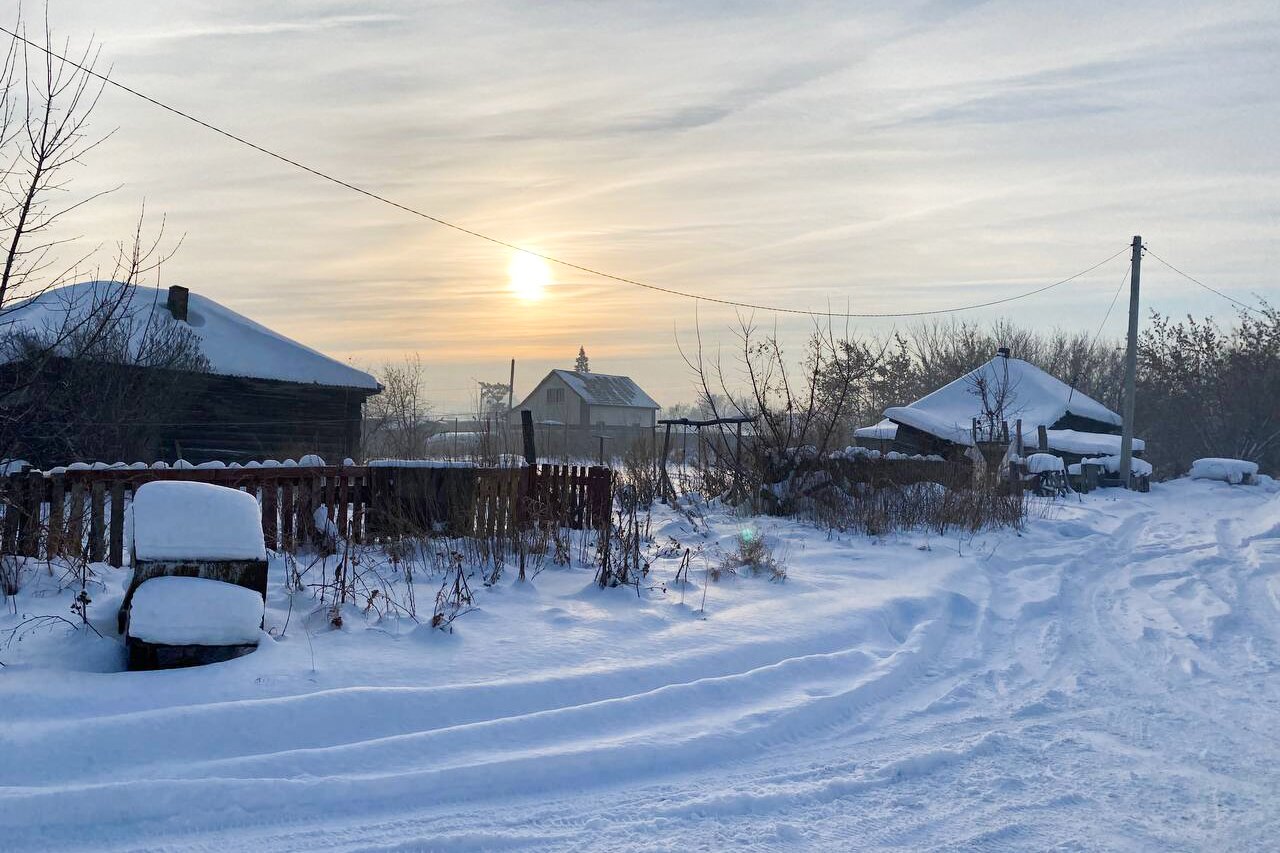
<point x="530" y="276"/>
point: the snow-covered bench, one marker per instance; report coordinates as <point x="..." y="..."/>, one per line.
<point x="184" y="532"/>
<point x="1234" y="471"/>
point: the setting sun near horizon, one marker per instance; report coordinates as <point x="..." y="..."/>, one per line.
<point x="529" y="276"/>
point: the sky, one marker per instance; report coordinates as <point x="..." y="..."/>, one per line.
<point x="829" y="156"/>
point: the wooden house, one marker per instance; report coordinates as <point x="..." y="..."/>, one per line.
<point x="984" y="408"/>
<point x="589" y="399"/>
<point x="260" y="395"/>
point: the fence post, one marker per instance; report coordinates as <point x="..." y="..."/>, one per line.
<point x="526" y="428"/>
<point x="57" y="509"/>
<point x="97" y="508"/>
<point x="32" y="511"/>
<point x="115" y="556"/>
<point x="1042" y="435"/>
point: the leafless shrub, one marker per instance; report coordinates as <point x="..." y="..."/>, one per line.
<point x="454" y="597"/>
<point x="753" y="555"/>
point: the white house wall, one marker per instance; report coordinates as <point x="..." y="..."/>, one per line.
<point x="622" y="416"/>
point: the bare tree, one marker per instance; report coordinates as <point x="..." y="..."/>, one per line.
<point x="44" y="131"/>
<point x="397" y="421"/>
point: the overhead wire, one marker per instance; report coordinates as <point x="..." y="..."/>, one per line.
<point x="89" y="70"/>
<point x="1250" y="308"/>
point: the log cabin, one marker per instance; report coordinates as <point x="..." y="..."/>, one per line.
<point x="256" y="394"/>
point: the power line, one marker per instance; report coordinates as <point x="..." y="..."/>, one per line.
<point x="1196" y="281"/>
<point x="500" y="242"/>
<point x="1098" y="334"/>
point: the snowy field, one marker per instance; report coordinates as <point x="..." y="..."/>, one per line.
<point x="1106" y="680"/>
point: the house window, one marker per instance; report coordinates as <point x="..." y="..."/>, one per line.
<point x="555" y="395"/>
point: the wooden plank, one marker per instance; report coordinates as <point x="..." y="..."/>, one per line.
<point x="12" y="513"/>
<point x="32" y="504"/>
<point x="343" y="503"/>
<point x="115" y="555"/>
<point x="74" y="543"/>
<point x="331" y="497"/>
<point x="57" y="515"/>
<point x="360" y="493"/>
<point x="97" y="510"/>
<point x="270" y="514"/>
<point x="287" y="515"/>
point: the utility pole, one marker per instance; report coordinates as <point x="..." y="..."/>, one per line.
<point x="1130" y="369"/>
<point x="506" y="421"/>
<point x="511" y="386"/>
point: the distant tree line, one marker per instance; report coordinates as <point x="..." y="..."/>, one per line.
<point x="1205" y="387"/>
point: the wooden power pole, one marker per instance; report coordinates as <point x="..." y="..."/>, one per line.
<point x="1130" y="369"/>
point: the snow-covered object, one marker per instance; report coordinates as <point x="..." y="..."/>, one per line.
<point x="1233" y="471"/>
<point x="234" y="345"/>
<point x="13" y="466"/>
<point x="176" y="520"/>
<point x="324" y="524"/>
<point x="180" y="611"/>
<point x="1111" y="464"/>
<point x="182" y="465"/>
<point x="1032" y="395"/>
<point x="855" y="452"/>
<point x="1042" y="463"/>
<point x="212" y="465"/>
<point x="886" y="430"/>
<point x="311" y="460"/>
<point x="1087" y="443"/>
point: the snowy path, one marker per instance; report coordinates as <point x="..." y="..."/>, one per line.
<point x="1108" y="680"/>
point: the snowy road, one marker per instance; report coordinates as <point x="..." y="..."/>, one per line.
<point x="1107" y="680"/>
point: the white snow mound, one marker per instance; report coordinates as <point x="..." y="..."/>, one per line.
<point x="1040" y="463"/>
<point x="1233" y="471"/>
<point x="181" y="611"/>
<point x="175" y="520"/>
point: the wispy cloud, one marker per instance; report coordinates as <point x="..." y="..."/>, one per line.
<point x="805" y="154"/>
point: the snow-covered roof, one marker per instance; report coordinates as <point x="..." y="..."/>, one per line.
<point x="186" y="520"/>
<point x="601" y="389"/>
<point x="233" y="344"/>
<point x="886" y="430"/>
<point x="1031" y="395"/>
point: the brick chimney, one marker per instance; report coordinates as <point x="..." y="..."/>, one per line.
<point x="177" y="303"/>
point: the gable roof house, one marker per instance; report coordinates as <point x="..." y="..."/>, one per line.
<point x="255" y="393"/>
<point x="593" y="399"/>
<point x="999" y="393"/>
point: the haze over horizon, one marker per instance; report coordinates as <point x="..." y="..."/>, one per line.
<point x="894" y="157"/>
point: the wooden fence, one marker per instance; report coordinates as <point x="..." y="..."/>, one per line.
<point x="83" y="511"/>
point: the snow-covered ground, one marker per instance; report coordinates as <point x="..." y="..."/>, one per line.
<point x="1108" y="679"/>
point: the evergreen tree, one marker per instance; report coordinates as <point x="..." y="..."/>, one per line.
<point x="582" y="365"/>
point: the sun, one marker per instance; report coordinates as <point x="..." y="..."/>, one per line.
<point x="530" y="276"/>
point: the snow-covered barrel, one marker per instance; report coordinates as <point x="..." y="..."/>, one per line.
<point x="192" y="530"/>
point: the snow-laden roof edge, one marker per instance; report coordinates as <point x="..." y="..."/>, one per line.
<point x="233" y="344"/>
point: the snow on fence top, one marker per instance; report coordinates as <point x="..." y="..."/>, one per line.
<point x="183" y="520"/>
<point x="1234" y="471"/>
<point x="234" y="344"/>
<point x="504" y="461"/>
<point x="1030" y="394"/>
<point x="180" y="611"/>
